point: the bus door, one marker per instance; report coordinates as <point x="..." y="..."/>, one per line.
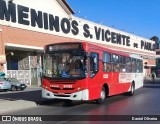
<point x="94" y="77"/>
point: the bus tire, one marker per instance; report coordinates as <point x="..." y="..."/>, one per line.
<point x="131" y="92"/>
<point x="102" y="98"/>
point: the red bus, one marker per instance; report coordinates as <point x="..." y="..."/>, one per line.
<point x="88" y="71"/>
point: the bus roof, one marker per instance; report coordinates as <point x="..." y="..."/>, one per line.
<point x="105" y="48"/>
<point x="100" y="47"/>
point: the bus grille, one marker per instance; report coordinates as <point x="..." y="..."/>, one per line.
<point x="57" y="88"/>
<point x="63" y="82"/>
<point x="62" y="95"/>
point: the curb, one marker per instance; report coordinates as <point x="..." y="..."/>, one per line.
<point x="152" y="85"/>
<point x="7" y="106"/>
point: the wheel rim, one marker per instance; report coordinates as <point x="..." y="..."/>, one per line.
<point x="132" y="90"/>
<point x="103" y="95"/>
<point x="13" y="88"/>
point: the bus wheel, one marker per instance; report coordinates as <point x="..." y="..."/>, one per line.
<point x="102" y="98"/>
<point x="131" y="92"/>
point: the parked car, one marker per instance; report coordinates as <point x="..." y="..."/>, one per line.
<point x="2" y="74"/>
<point x="4" y="85"/>
<point x="15" y="84"/>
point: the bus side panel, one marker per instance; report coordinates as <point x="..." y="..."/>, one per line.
<point x="121" y="83"/>
<point x="94" y="86"/>
<point x="138" y="78"/>
<point x="115" y="87"/>
<point x="107" y="78"/>
<point x="126" y="87"/>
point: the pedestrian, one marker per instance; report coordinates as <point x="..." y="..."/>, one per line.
<point x="153" y="76"/>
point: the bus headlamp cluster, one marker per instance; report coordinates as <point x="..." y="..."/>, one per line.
<point x="78" y="88"/>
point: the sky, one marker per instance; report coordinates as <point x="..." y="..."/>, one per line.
<point x="138" y="17"/>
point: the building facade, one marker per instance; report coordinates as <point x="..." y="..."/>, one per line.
<point x="26" y="26"/>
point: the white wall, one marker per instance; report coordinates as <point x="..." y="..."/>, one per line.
<point x="53" y="7"/>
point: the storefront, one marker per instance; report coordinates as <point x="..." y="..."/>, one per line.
<point x="27" y="26"/>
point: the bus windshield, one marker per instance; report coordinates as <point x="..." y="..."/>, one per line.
<point x="65" y="65"/>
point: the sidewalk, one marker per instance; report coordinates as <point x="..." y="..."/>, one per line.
<point x="8" y="106"/>
<point x="149" y="83"/>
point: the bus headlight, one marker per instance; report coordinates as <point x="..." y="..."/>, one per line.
<point x="45" y="87"/>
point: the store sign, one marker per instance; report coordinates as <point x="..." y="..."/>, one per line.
<point x="31" y="17"/>
<point x="2" y="59"/>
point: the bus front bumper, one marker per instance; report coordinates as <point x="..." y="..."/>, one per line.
<point x="81" y="95"/>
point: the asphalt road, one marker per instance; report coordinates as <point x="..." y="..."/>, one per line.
<point x="146" y="101"/>
<point x="29" y="94"/>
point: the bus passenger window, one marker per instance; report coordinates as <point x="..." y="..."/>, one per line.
<point x="106" y="57"/>
<point x="115" y="58"/>
<point x="122" y="63"/>
<point x="128" y="69"/>
<point x="115" y="68"/>
<point x="128" y="61"/>
<point x="94" y="64"/>
<point x="139" y="66"/>
<point x="137" y="70"/>
<point x="107" y="67"/>
<point x="134" y="67"/>
<point x="122" y="68"/>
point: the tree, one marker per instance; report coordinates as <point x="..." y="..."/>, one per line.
<point x="154" y="38"/>
<point x="157" y="41"/>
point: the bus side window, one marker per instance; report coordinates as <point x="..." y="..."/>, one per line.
<point x="107" y="67"/>
<point x="128" y="65"/>
<point x="94" y="64"/>
<point x="115" y="63"/>
<point x="115" y="67"/>
<point x="122" y="64"/>
<point x="122" y="68"/>
<point x="134" y="67"/>
<point x="139" y="66"/>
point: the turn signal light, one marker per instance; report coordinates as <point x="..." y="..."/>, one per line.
<point x="45" y="87"/>
<point x="78" y="88"/>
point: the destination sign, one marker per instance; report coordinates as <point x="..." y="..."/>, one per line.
<point x="57" y="47"/>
